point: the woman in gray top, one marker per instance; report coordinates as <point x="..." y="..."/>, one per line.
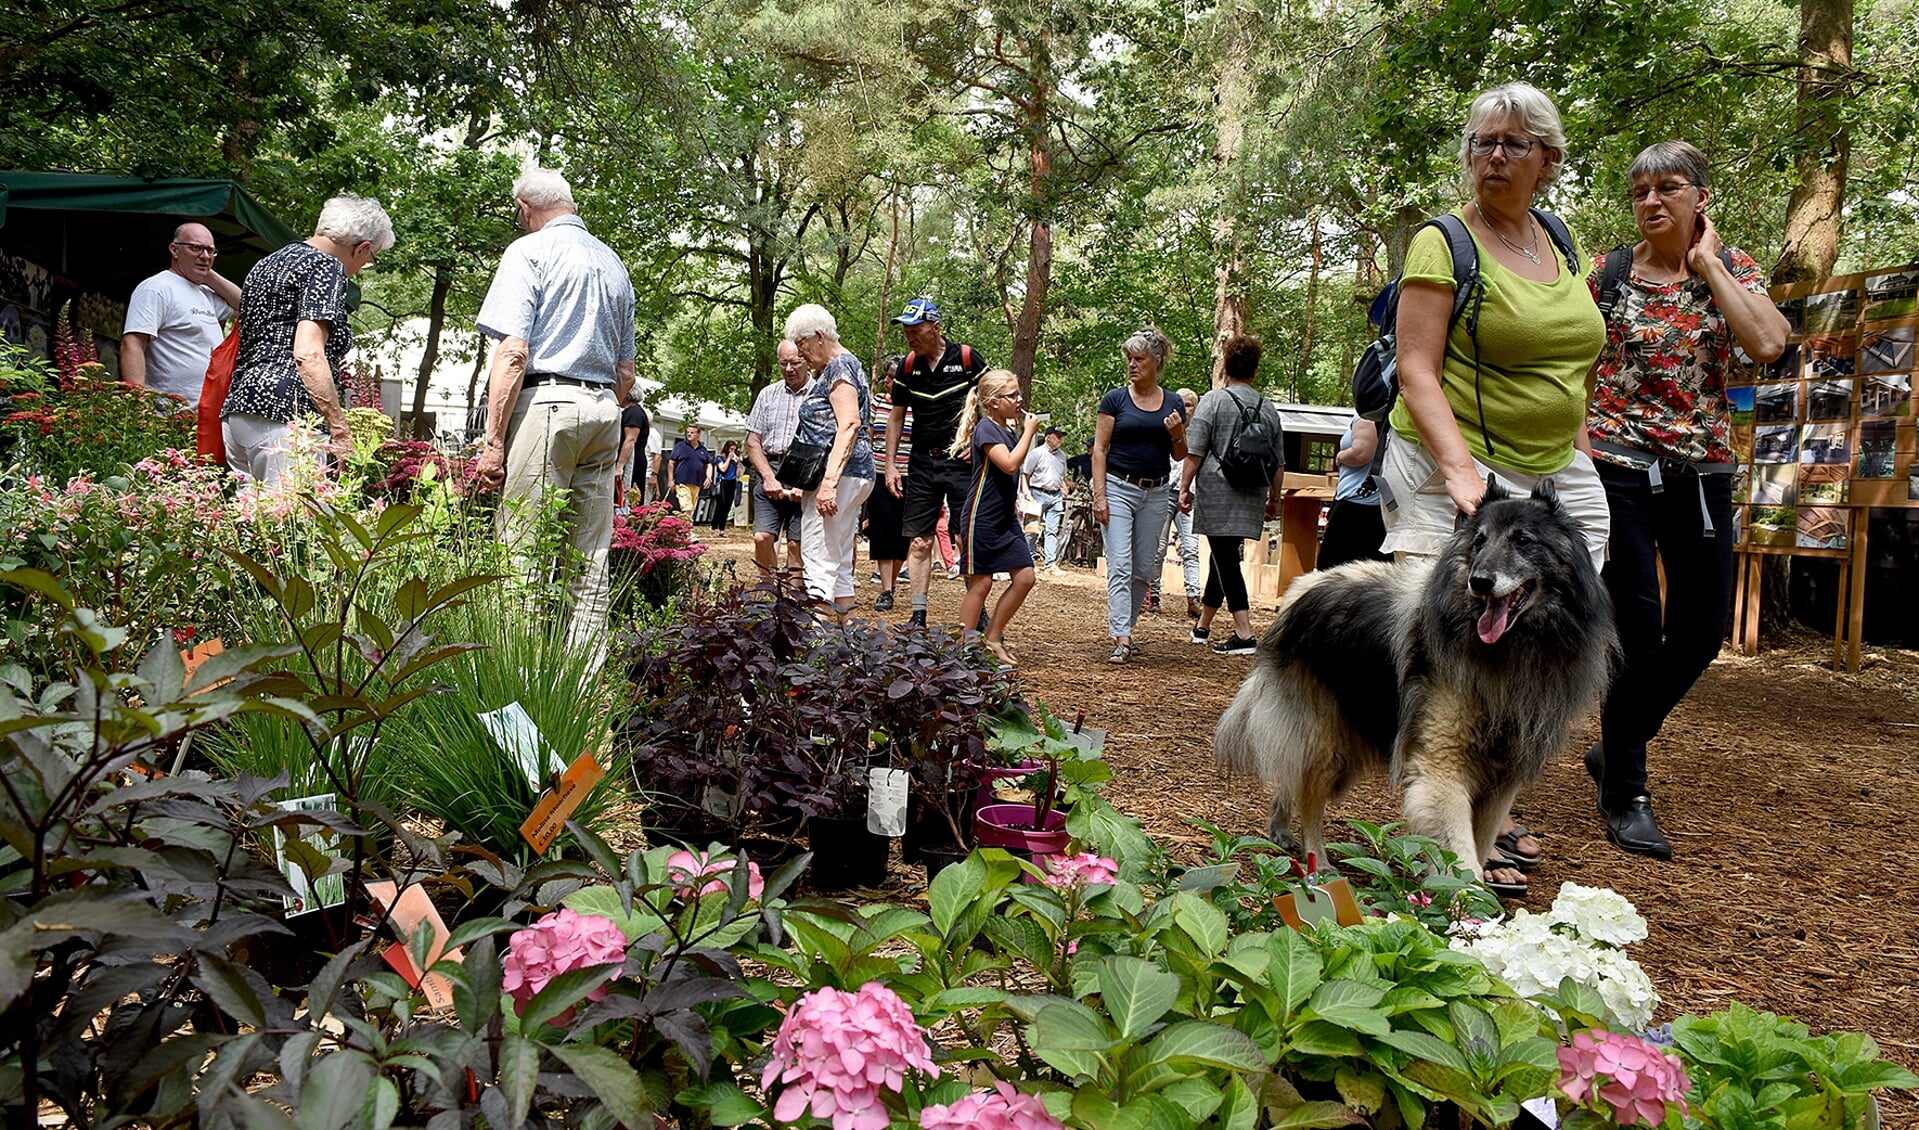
<point x="1225" y="515"/>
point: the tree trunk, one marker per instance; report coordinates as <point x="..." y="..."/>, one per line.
<point x="1312" y="313"/>
<point x="1039" y="259"/>
<point x="886" y="283"/>
<point x="1815" y="212"/>
<point x="430" y="356"/>
<point x="1231" y="95"/>
<point x="473" y="378"/>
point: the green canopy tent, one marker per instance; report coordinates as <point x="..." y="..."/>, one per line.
<point x="104" y="234"/>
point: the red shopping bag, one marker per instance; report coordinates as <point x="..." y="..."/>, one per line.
<point x="213" y="394"/>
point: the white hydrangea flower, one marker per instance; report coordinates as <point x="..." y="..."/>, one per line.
<point x="1533" y="953"/>
<point x="1599" y="914"/>
<point x="1625" y="988"/>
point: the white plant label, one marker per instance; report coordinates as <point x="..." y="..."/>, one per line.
<point x="886" y="793"/>
<point x="517" y="734"/>
<point x="309" y="894"/>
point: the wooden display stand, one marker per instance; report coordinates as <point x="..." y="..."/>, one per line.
<point x="1825" y="436"/>
<point x="1274" y="561"/>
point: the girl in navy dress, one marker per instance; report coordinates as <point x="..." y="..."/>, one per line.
<point x="995" y="540"/>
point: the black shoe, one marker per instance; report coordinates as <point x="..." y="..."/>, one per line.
<point x="1633" y="829"/>
<point x="1236" y="644"/>
<point x="917" y="619"/>
<point x="1596" y="768"/>
<point x="1202" y="635"/>
<point x="883" y="602"/>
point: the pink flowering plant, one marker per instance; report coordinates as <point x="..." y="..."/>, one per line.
<point x="1612" y="1079"/>
<point x="839" y="1055"/>
<point x="1002" y="1108"/>
<point x="653" y="553"/>
<point x="1067" y="872"/>
<point x="564" y="941"/>
<point x="142" y="547"/>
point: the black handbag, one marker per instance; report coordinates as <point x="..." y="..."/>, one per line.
<point x="803" y="465"/>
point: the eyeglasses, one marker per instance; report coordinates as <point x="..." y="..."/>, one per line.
<point x="792" y="362"/>
<point x="1667" y="190"/>
<point x="1515" y="147"/>
<point x="196" y="248"/>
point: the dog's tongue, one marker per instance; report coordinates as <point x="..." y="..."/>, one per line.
<point x="1492" y="622"/>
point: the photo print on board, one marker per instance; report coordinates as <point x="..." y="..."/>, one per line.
<point x="1886" y="351"/>
<point x="1886" y="395"/>
<point x="1781" y="368"/>
<point x="1774" y="525"/>
<point x="1832" y="356"/>
<point x="1893" y="295"/>
<point x="1794" y="310"/>
<point x="1824" y="443"/>
<point x="1832" y="312"/>
<point x="1775" y="484"/>
<point x="1876" y="457"/>
<point x="1821" y="527"/>
<point x="1828" y="400"/>
<point x="1739" y="405"/>
<point x="1776" y="403"/>
<point x="1823" y="484"/>
<point x="1776" y="444"/>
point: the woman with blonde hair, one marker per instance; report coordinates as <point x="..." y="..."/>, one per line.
<point x="1141" y="431"/>
<point x="990" y="523"/>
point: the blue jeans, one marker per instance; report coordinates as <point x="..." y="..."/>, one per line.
<point x="1188" y="544"/>
<point x="1136" y="522"/>
<point x="1051" y="506"/>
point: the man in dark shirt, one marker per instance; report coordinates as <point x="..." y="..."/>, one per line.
<point x="692" y="469"/>
<point x="1081" y="466"/>
<point x="631" y="484"/>
<point x="933" y="382"/>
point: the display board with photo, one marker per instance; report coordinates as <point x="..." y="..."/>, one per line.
<point x="1776" y="443"/>
<point x="1776" y="403"/>
<point x="1822" y="527"/>
<point x="1894" y="294"/>
<point x="1885" y="395"/>
<point x="1775" y="484"/>
<point x="1887" y="350"/>
<point x="1823" y="484"/>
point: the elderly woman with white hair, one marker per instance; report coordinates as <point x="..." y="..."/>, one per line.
<point x="1141" y="431"/>
<point x="294" y="337"/>
<point x="837" y="415"/>
<point x="1501" y="389"/>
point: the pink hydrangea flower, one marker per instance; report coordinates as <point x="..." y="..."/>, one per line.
<point x="1002" y="1108"/>
<point x="559" y="943"/>
<point x="1420" y="899"/>
<point x="836" y="1051"/>
<point x="685" y="867"/>
<point x="1622" y="1076"/>
<point x="1064" y="872"/>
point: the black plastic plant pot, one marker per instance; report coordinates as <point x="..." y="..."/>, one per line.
<point x="846" y="855"/>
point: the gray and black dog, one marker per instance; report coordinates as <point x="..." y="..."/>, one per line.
<point x="1462" y="675"/>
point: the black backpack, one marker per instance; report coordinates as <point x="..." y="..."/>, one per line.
<point x="1253" y="457"/>
<point x="1612" y="278"/>
<point x="1376" y="377"/>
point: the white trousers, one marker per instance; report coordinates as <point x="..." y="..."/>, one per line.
<point x="1422" y="522"/>
<point x="827" y="544"/>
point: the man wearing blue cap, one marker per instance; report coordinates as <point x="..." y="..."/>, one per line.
<point x="933" y="381"/>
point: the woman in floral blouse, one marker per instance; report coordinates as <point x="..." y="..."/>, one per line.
<point x="1660" y="434"/>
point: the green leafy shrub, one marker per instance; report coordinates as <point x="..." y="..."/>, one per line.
<point x="89" y="425"/>
<point x="1755" y="1069"/>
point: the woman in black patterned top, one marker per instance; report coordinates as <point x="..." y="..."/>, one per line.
<point x="294" y="336"/>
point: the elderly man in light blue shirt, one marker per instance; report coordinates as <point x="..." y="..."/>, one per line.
<point x="561" y="308"/>
<point x="1045" y="477"/>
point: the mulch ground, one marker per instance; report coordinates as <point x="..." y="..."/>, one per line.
<point x="1786" y="788"/>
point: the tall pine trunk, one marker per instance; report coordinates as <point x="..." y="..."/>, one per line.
<point x="1232" y="93"/>
<point x="1039" y="256"/>
<point x="1816" y="210"/>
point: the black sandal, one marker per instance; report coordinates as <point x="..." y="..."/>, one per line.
<point x="1507" y="844"/>
<point x="1503" y="889"/>
<point x="1121" y="653"/>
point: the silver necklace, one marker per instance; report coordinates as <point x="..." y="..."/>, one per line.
<point x="1529" y="250"/>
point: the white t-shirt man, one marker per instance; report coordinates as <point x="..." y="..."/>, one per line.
<point x="182" y="322"/>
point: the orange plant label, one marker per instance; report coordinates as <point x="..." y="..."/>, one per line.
<point x="411" y="912"/>
<point x="558" y="803"/>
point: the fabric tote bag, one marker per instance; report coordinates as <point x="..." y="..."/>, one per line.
<point x="213" y="395"/>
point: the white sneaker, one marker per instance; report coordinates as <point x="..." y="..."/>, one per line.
<point x="953" y="574"/>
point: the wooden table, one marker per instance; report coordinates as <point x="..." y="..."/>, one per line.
<point x="1849" y="613"/>
<point x="1276" y="560"/>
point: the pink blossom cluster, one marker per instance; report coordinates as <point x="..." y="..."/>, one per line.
<point x="1634" y="1079"/>
<point x="685" y="868"/>
<point x="657" y="536"/>
<point x="561" y="942"/>
<point x="836" y="1051"/>
<point x="1064" y="872"/>
<point x="1002" y="1108"/>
